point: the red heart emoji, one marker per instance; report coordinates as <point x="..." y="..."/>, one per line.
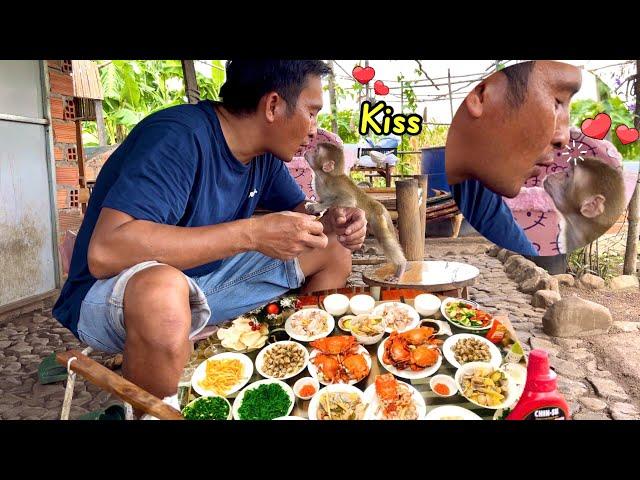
<point x="363" y="75"/>
<point x="626" y="135"/>
<point x="597" y="127"/>
<point x="380" y="88"/>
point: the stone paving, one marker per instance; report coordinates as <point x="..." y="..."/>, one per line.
<point x="592" y="391"/>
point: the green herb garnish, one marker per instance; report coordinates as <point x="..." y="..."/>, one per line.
<point x="207" y="408"/>
<point x="266" y="402"/>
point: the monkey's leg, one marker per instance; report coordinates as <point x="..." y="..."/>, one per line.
<point x="384" y="231"/>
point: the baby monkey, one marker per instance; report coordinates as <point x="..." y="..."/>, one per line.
<point x="336" y="189"/>
<point x="589" y="197"/>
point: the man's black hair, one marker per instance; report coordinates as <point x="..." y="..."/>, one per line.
<point x="518" y="79"/>
<point x="249" y="80"/>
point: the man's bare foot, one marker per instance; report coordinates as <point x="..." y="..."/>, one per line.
<point x="114" y="362"/>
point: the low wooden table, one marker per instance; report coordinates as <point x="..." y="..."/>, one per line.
<point x="446" y="278"/>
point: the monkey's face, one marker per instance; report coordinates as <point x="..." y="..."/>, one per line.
<point x="325" y="157"/>
<point x="574" y="192"/>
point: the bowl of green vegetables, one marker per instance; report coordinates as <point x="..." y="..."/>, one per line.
<point x="208" y="408"/>
<point x="264" y="400"/>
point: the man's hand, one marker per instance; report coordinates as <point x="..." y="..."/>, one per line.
<point x="349" y="224"/>
<point x="285" y="235"/>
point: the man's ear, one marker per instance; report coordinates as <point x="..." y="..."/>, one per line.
<point x="592" y="206"/>
<point x="475" y="100"/>
<point x="271" y="106"/>
<point x="328" y="166"/>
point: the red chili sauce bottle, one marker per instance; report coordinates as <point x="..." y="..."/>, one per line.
<point x="540" y="399"/>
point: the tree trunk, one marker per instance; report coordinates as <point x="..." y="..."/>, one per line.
<point x="631" y="252"/>
<point x="190" y="82"/>
<point x="332" y="100"/>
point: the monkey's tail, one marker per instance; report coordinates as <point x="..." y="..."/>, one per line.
<point x="388" y="240"/>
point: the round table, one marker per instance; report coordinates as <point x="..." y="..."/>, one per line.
<point x="430" y="276"/>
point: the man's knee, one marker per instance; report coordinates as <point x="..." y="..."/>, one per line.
<point x="156" y="308"/>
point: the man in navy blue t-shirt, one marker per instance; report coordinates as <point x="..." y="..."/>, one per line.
<point x="168" y="243"/>
<point x="507" y="130"/>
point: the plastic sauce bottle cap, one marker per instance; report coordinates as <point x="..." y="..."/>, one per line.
<point x="540" y="377"/>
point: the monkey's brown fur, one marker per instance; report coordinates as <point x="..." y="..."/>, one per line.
<point x="568" y="195"/>
<point x="336" y="189"/>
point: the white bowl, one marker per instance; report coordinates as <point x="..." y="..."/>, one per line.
<point x="191" y="403"/>
<point x="446" y="380"/>
<point x="336" y="304"/>
<point x="426" y="304"/>
<point x="369" y="339"/>
<point x="261" y="354"/>
<point x="510" y="397"/>
<point x="361" y="304"/>
<point x="305" y="381"/>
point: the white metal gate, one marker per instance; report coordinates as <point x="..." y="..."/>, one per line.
<point x="28" y="264"/>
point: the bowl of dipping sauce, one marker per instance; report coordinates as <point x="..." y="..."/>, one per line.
<point x="306" y="387"/>
<point x="336" y="304"/>
<point x="360" y="304"/>
<point x="443" y="385"/>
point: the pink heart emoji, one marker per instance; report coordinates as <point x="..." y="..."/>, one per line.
<point x="626" y="135"/>
<point x="597" y="127"/>
<point x="380" y="88"/>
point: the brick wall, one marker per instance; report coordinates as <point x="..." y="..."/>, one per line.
<point x="65" y="148"/>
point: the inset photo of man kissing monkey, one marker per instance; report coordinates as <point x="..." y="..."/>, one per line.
<point x="522" y="175"/>
<point x="277" y="239"/>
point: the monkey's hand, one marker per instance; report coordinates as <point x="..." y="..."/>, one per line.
<point x="285" y="235"/>
<point x="314" y="208"/>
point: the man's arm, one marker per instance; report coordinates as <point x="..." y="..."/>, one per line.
<point x="120" y="241"/>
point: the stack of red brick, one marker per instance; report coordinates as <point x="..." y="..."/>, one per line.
<point x="65" y="148"/>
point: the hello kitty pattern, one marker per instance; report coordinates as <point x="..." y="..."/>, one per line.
<point x="533" y="208"/>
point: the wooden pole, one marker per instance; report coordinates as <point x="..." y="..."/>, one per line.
<point x="111" y="382"/>
<point x="332" y="100"/>
<point x="401" y="97"/>
<point x="409" y="225"/>
<point x="631" y="251"/>
<point x="190" y="82"/>
<point x="422" y="200"/>
<point x="102" y="133"/>
<point x="366" y="87"/>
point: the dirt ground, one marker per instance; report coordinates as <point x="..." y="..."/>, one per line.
<point x="617" y="352"/>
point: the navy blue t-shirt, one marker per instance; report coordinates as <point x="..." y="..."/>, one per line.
<point x="175" y="168"/>
<point x="491" y="217"/>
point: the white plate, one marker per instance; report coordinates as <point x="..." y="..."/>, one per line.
<point x="408" y="308"/>
<point x="443" y="310"/>
<point x="371" y="398"/>
<point x="447" y="349"/>
<point x="200" y="373"/>
<point x="511" y="396"/>
<point x="290" y="417"/>
<point x="261" y="354"/>
<point x="314" y="403"/>
<point x="331" y="323"/>
<point x="313" y="370"/>
<point x="408" y="373"/>
<point x="238" y="401"/>
<point x="451" y="411"/>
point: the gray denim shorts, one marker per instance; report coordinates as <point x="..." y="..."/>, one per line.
<point x="243" y="282"/>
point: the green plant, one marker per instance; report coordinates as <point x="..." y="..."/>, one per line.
<point x="616" y="109"/>
<point x="134" y="89"/>
<point x="347" y="124"/>
<point x="588" y="260"/>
